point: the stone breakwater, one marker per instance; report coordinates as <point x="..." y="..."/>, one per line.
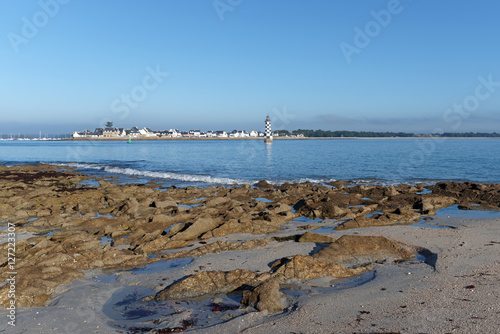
<point x="61" y="220"/>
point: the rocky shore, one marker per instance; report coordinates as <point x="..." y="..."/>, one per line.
<point x="275" y="247"/>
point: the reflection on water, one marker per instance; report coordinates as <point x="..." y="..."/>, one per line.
<point x="269" y="153"/>
<point x="425" y="223"/>
<point x="131" y="315"/>
<point x="303" y="219"/>
<point x="454" y="211"/>
<point x="162" y="265"/>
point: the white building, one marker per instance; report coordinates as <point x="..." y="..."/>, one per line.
<point x="99" y="133"/>
<point x="239" y="134"/>
<point x="221" y="134"/>
<point x="146" y="132"/>
<point x="87" y="134"/>
<point x="174" y="133"/>
<point x="134" y="132"/>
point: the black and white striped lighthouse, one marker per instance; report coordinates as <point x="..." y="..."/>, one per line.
<point x="269" y="135"/>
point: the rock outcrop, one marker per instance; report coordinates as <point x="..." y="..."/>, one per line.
<point x="315" y="237"/>
<point x="355" y="251"/>
<point x="207" y="283"/>
<point x="265" y="296"/>
<point x="305" y="267"/>
<point x="76" y="227"/>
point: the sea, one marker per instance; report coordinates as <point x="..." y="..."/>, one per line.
<point x="206" y="163"/>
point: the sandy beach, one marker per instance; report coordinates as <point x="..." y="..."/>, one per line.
<point x="457" y="291"/>
<point x="101" y="258"/>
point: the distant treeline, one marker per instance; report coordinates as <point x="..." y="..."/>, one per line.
<point x="470" y="134"/>
<point x="328" y="133"/>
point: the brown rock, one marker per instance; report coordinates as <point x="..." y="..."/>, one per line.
<point x="430" y="204"/>
<point x="315" y="237"/>
<point x="130" y="207"/>
<point x="206" y="283"/>
<point x="391" y="191"/>
<point x="200" y="226"/>
<point x="216" y="202"/>
<point x="218" y="247"/>
<point x="166" y="204"/>
<point x="304" y="267"/>
<point x="334" y="211"/>
<point x="263" y="184"/>
<point x="359" y="250"/>
<point x="242" y="226"/>
<point x="265" y="296"/>
<point x="161" y="243"/>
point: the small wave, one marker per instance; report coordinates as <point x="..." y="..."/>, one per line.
<point x="301" y="180"/>
<point x="207" y="179"/>
<point x="388" y="183"/>
<point x="158" y="175"/>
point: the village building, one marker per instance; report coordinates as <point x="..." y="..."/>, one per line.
<point x="146" y="132"/>
<point x="239" y="134"/>
<point x="221" y="134"/>
<point x="173" y="133"/>
<point x="113" y="132"/>
<point x="160" y="133"/>
<point x="135" y="132"/>
<point x="100" y="133"/>
<point x="87" y="133"/>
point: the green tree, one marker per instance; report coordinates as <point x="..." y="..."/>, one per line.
<point x="109" y="124"/>
<point x="283" y="133"/>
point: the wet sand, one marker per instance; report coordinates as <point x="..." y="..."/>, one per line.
<point x="456" y="291"/>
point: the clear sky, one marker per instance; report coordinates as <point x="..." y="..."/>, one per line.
<point x="393" y="65"/>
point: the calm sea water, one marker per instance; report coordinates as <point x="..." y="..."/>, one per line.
<point x="206" y="162"/>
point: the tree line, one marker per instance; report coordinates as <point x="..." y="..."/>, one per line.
<point x="328" y="133"/>
<point x="470" y="134"/>
<point x="364" y="134"/>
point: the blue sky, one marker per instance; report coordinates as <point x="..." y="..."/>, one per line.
<point x="393" y="65"/>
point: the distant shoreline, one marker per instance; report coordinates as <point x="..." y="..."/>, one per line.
<point x="259" y="138"/>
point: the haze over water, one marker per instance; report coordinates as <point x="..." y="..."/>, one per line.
<point x="207" y="162"/>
